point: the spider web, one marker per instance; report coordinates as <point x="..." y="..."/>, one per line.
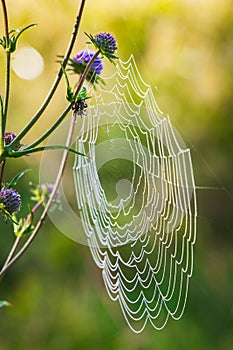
<point x="137" y="201"/>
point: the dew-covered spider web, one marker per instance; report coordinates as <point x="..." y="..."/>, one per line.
<point x="137" y="200"/>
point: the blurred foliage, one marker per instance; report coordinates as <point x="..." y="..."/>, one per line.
<point x="185" y="49"/>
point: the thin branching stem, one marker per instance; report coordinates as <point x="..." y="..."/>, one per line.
<point x="12" y="251"/>
<point x="57" y="80"/>
<point x="44" y="214"/>
<point x="59" y="175"/>
<point x="66" y="111"/>
<point x="6" y="23"/>
<point x="19" y="237"/>
<point x="51" y="129"/>
<point x="7" y="85"/>
<point x="8" y="81"/>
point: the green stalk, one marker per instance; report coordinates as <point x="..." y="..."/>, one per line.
<point x="51" y="129"/>
<point x="59" y="175"/>
<point x="56" y="81"/>
<point x="63" y="115"/>
<point x="44" y="214"/>
<point x="19" y="237"/>
<point x="7" y="86"/>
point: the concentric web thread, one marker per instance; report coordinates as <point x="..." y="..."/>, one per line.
<point x="137" y="201"/>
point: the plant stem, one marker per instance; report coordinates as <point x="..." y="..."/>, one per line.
<point x="2" y="165"/>
<point x="18" y="238"/>
<point x="5" y="16"/>
<point x="8" y="81"/>
<point x="12" y="251"/>
<point x="56" y="81"/>
<point x="63" y="115"/>
<point x="43" y="215"/>
<point x="59" y="175"/>
<point x="7" y="86"/>
<point x="51" y="129"/>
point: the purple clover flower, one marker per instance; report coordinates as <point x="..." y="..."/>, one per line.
<point x="10" y="199"/>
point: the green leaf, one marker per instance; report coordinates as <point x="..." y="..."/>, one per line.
<point x="3" y="43"/>
<point x="69" y="92"/>
<point x="24" y="226"/>
<point x="10" y="217"/>
<point x="43" y="148"/>
<point x="14" y="37"/>
<point x="17" y="177"/>
<point x="4" y="303"/>
<point x="25" y="28"/>
<point x="92" y="40"/>
<point x="82" y="95"/>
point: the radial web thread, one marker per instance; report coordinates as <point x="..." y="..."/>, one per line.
<point x="137" y="201"/>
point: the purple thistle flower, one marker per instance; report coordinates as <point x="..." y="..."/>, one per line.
<point x="10" y="199"/>
<point x="80" y="61"/>
<point x="84" y="57"/>
<point x="106" y="43"/>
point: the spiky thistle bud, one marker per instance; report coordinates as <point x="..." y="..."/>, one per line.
<point x="10" y="199"/>
<point x="8" y="138"/>
<point x="105" y="43"/>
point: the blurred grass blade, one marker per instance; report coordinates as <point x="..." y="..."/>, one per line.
<point x="4" y="303"/>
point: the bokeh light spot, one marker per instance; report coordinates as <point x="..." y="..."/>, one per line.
<point x="28" y="63"/>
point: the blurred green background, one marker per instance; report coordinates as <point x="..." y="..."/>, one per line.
<point x="184" y="50"/>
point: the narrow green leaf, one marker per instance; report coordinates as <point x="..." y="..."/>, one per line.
<point x="24" y="226"/>
<point x="10" y="217"/>
<point x="43" y="148"/>
<point x="25" y="28"/>
<point x="17" y="177"/>
<point x="14" y="38"/>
